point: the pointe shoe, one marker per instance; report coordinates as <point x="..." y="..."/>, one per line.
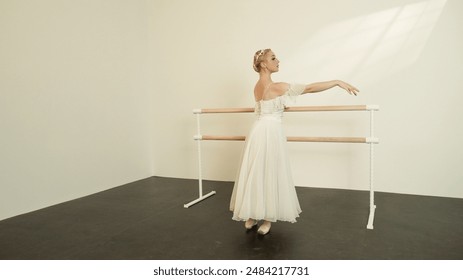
<point x="250" y="223"/>
<point x="264" y="228"/>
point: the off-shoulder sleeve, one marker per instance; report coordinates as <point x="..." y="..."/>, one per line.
<point x="293" y="92"/>
<point x="295" y="89"/>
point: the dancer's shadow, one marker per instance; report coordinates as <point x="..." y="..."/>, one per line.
<point x="252" y="245"/>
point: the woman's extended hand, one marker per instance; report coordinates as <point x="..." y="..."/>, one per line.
<point x="347" y="87"/>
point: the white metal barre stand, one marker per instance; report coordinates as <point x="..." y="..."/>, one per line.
<point x="200" y="179"/>
<point x="369" y="140"/>
<point x="371" y="217"/>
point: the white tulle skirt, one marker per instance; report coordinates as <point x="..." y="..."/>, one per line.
<point x="264" y="188"/>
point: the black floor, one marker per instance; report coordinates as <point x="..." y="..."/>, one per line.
<point x="147" y="220"/>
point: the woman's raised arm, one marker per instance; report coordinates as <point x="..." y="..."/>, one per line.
<point x="321" y="86"/>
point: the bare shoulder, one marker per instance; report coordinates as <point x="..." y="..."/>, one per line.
<point x="278" y="88"/>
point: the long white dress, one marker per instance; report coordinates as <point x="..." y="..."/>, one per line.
<point x="264" y="188"/>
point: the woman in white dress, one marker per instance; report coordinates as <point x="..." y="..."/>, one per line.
<point x="264" y="188"/>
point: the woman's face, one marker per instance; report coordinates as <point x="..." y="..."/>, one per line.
<point x="271" y="62"/>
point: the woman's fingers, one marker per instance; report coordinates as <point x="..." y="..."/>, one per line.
<point x="351" y="89"/>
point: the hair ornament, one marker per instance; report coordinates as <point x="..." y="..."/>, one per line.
<point x="259" y="53"/>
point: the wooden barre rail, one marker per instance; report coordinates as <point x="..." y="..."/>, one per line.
<point x="295" y="139"/>
<point x="292" y="109"/>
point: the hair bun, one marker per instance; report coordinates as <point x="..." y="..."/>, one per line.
<point x="258" y="58"/>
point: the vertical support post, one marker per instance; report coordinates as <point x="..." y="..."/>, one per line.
<point x="372" y="191"/>
<point x="200" y="170"/>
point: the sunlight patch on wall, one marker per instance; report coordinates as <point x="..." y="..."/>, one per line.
<point x="369" y="46"/>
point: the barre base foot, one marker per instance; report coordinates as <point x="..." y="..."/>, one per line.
<point x="201" y="198"/>
<point x="371" y="217"/>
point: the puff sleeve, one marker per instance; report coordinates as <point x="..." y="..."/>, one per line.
<point x="293" y="92"/>
<point x="295" y="89"/>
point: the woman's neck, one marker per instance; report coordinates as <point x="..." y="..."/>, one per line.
<point x="265" y="77"/>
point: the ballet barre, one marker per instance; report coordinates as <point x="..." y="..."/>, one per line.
<point x="295" y="139"/>
<point x="371" y="140"/>
<point x="292" y="109"/>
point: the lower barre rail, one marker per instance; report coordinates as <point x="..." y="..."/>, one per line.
<point x="294" y="139"/>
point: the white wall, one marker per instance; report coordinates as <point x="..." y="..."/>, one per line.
<point x="74" y="100"/>
<point x="404" y="55"/>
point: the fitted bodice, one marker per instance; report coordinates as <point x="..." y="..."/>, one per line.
<point x="274" y="108"/>
<point x="271" y="109"/>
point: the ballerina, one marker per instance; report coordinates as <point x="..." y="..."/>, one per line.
<point x="264" y="188"/>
